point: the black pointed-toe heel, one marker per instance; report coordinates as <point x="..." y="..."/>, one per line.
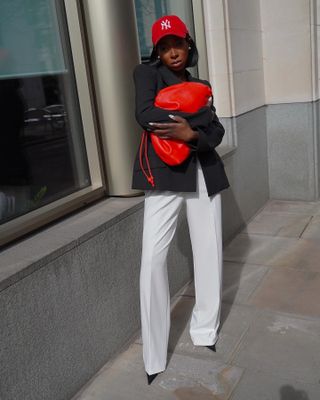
<point x="212" y="347"/>
<point x="151" y="377"/>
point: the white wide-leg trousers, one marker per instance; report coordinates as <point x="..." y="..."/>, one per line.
<point x="161" y="211"/>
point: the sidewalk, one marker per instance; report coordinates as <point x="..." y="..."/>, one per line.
<point x="269" y="346"/>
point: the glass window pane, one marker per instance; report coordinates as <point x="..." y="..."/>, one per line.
<point x="42" y="150"/>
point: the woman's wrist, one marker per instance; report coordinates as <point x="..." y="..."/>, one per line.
<point x="193" y="135"/>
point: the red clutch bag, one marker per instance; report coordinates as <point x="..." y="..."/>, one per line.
<point x="188" y="97"/>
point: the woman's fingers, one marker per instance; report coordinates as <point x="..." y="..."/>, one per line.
<point x="163" y="125"/>
<point x="209" y="102"/>
<point x="179" y="129"/>
<point x="177" y="118"/>
<point x="159" y="132"/>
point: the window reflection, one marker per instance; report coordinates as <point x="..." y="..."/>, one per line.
<point x="42" y="150"/>
<point x="147" y="12"/>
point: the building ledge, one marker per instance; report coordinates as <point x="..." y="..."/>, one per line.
<point x="225" y="151"/>
<point x="30" y="254"/>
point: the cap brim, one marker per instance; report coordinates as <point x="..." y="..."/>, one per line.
<point x="180" y="35"/>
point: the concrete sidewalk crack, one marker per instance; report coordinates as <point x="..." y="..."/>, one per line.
<point x="307" y="225"/>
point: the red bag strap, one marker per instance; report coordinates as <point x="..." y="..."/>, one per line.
<point x="144" y="144"/>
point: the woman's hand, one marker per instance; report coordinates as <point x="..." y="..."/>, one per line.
<point x="179" y="130"/>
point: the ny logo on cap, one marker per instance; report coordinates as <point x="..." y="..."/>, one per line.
<point x="165" y="24"/>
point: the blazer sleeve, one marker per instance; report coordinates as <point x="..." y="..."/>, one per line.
<point x="145" y="80"/>
<point x="210" y="136"/>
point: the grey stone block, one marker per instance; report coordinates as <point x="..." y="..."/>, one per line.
<point x="282" y="346"/>
<point x="240" y="281"/>
<point x="313" y="229"/>
<point x="259" y="249"/>
<point x="302" y="254"/>
<point x="289" y="290"/>
<point x="262" y="386"/>
<point x="292" y="207"/>
<point x="291" y="151"/>
<point x="39" y="249"/>
<point x="277" y="225"/>
<point x="62" y="322"/>
<point x="66" y="319"/>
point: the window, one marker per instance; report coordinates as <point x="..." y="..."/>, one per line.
<point x="43" y="143"/>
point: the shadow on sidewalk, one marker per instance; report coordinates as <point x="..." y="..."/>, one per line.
<point x="288" y="392"/>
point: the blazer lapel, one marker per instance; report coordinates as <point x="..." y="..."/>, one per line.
<point x="169" y="77"/>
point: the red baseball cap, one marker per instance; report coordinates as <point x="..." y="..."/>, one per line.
<point x="168" y="25"/>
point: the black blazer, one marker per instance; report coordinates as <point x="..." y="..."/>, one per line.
<point x="149" y="79"/>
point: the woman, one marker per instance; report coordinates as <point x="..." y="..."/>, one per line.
<point x="197" y="182"/>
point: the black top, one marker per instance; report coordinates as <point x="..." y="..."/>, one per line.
<point x="149" y="79"/>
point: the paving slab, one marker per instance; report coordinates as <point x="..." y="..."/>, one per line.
<point x="258" y="249"/>
<point x="262" y="386"/>
<point x="295" y="207"/>
<point x="289" y="225"/>
<point x="186" y="375"/>
<point x="290" y="291"/>
<point x="184" y="378"/>
<point x="282" y="346"/>
<point x="302" y="254"/>
<point x="235" y="321"/>
<point x="313" y="229"/>
<point x="239" y="281"/>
